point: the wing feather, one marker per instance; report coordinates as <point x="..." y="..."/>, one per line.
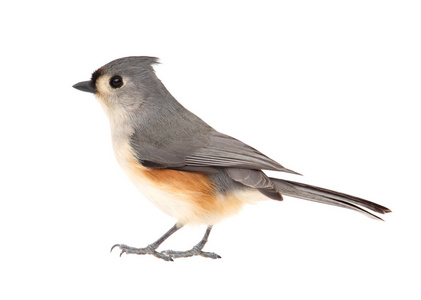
<point x="225" y="151"/>
<point x="191" y="144"/>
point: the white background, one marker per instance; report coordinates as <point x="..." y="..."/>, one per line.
<point x="330" y="89"/>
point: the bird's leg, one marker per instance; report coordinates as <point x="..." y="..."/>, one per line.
<point x="150" y="249"/>
<point x="196" y="250"/>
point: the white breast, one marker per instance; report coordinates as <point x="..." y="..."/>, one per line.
<point x="170" y="203"/>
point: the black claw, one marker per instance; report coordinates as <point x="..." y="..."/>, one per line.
<point x="168" y="258"/>
<point x="114" y="247"/>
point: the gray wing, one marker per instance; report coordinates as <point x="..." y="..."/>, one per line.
<point x="225" y="151"/>
<point x="203" y="153"/>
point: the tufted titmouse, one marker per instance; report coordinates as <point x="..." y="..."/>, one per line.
<point x="185" y="167"/>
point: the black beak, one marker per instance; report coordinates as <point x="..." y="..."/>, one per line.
<point x="86" y="86"/>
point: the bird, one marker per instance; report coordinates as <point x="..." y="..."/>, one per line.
<point x="185" y="167"/>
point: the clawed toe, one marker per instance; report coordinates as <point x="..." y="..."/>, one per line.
<point x="190" y="253"/>
<point x="141" y="251"/>
<point x="210" y="255"/>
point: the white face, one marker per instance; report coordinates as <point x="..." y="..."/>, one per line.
<point x="108" y="91"/>
<point x="119" y="115"/>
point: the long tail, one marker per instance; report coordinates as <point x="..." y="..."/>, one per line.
<point x="317" y="194"/>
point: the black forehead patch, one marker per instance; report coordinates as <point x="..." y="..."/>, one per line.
<point x="95" y="75"/>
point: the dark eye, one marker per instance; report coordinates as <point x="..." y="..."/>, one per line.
<point x="116" y="81"/>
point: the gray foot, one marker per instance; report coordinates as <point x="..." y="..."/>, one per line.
<point x="193" y="252"/>
<point x="142" y="251"/>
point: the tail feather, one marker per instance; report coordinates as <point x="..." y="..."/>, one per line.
<point x="321" y="195"/>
